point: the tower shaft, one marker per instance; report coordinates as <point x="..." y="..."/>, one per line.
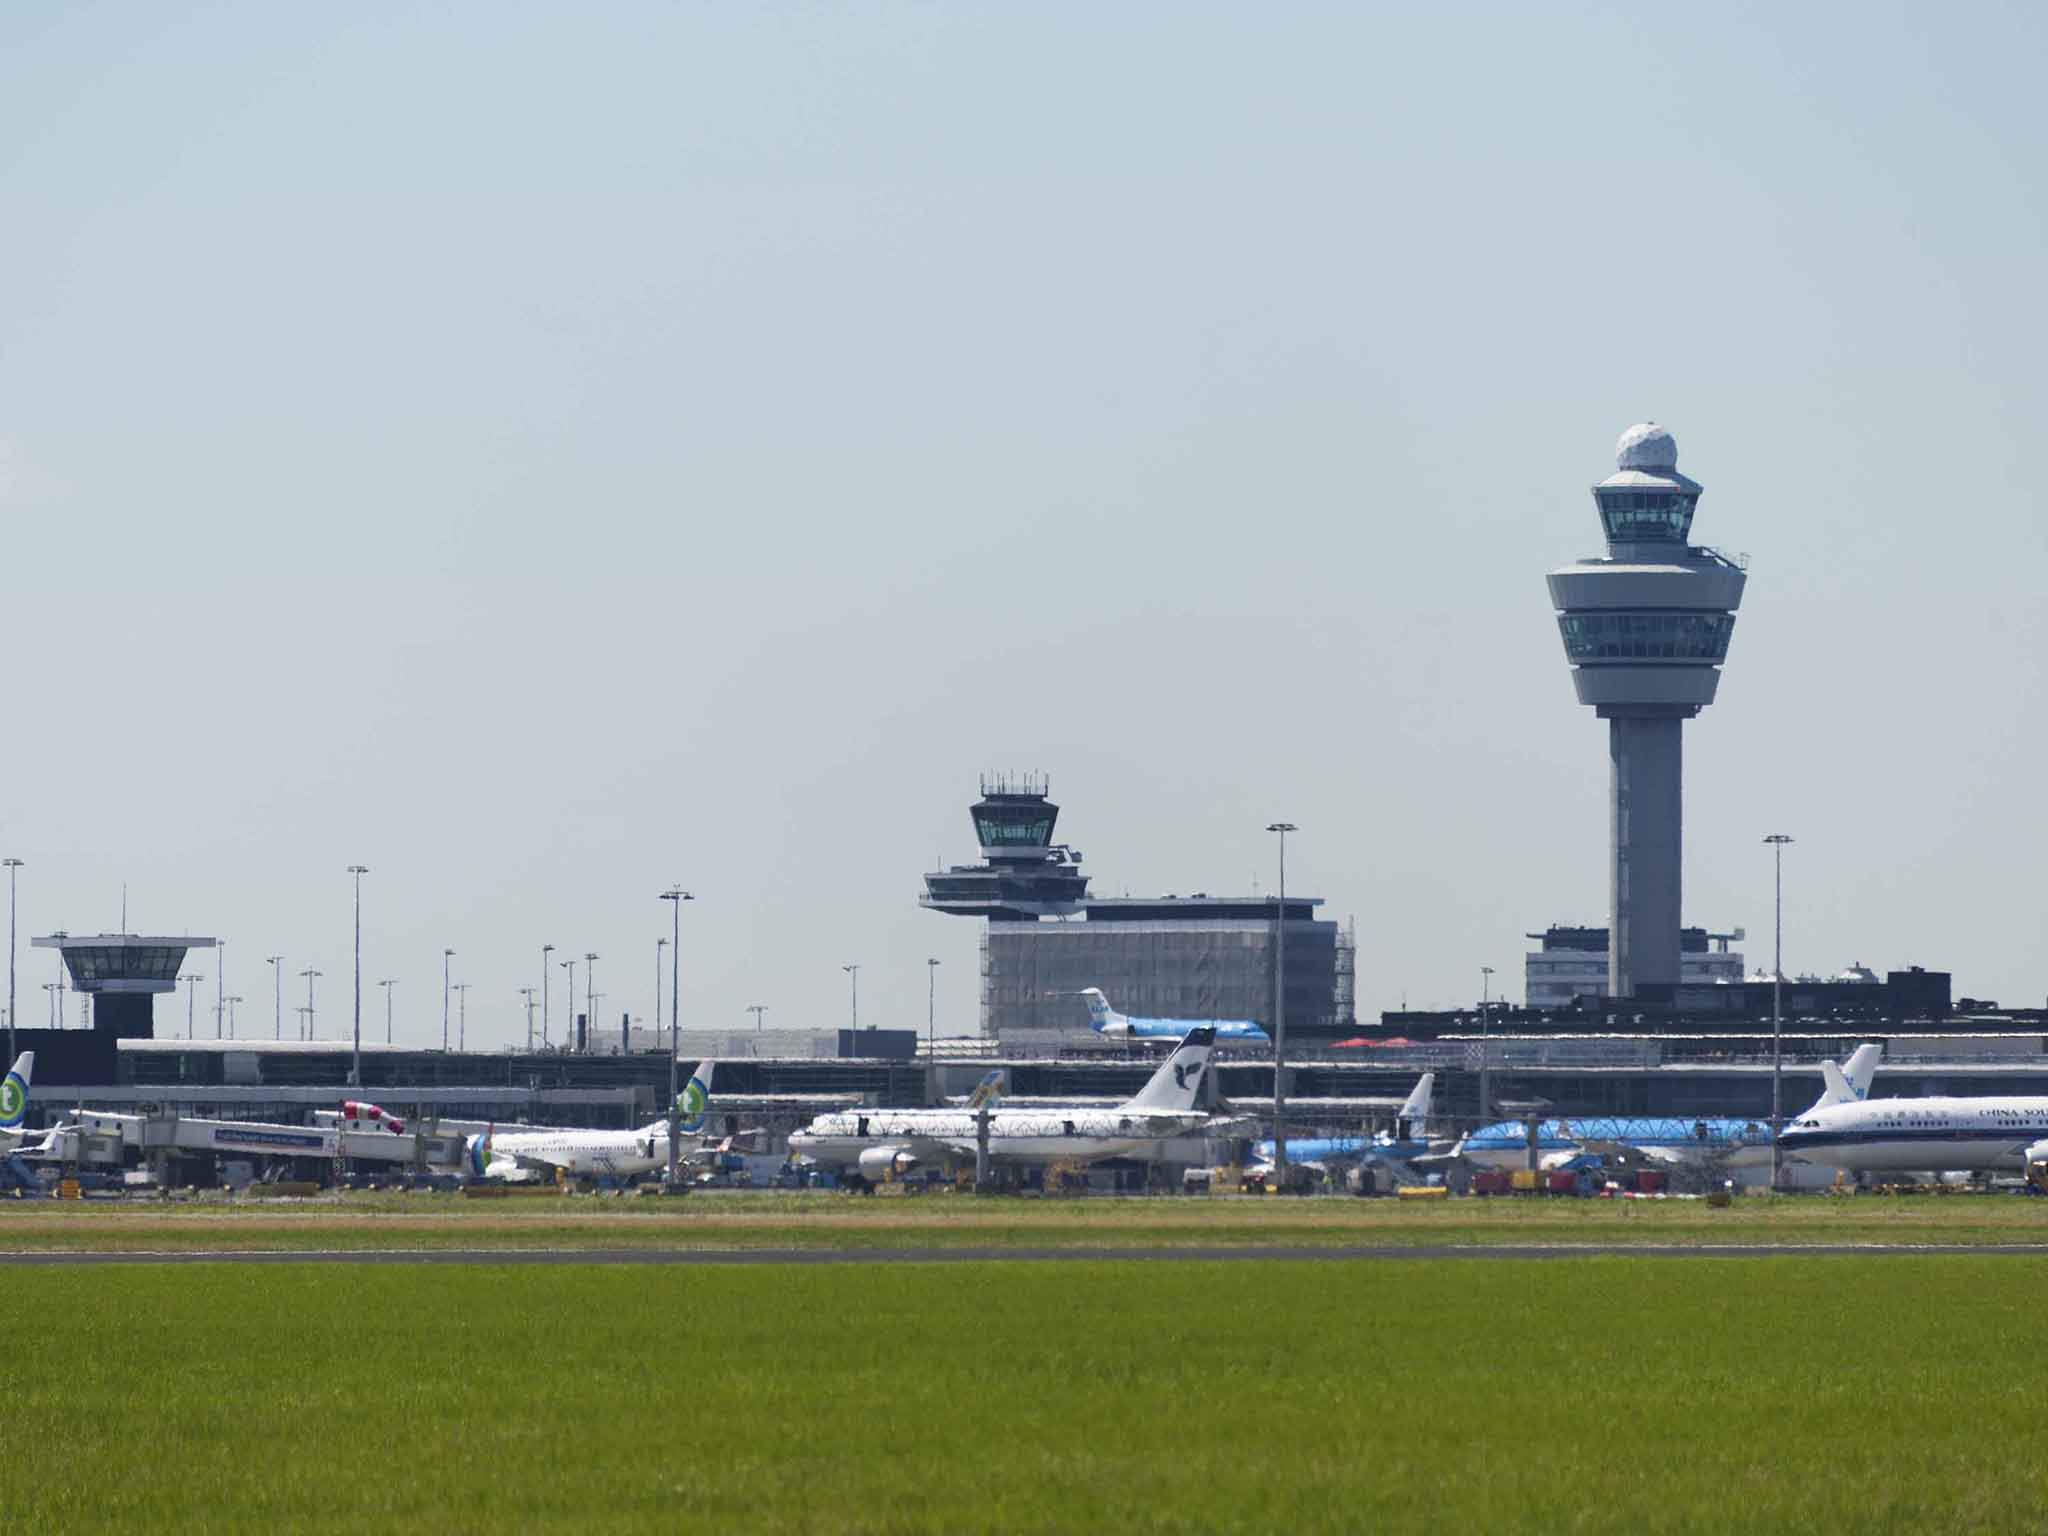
<point x="1646" y="765"/>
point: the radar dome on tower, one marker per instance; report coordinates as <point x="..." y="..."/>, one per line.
<point x="1646" y="446"/>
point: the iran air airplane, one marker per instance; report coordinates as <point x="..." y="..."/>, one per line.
<point x="874" y="1145"/>
<point x="1106" y="1021"/>
<point x="1667" y="1139"/>
<point x="1933" y="1135"/>
<point x="520" y="1155"/>
<point x="1398" y="1148"/>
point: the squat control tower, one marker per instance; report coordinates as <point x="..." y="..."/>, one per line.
<point x="1646" y="629"/>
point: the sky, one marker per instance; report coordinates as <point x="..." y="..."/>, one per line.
<point x="546" y="452"/>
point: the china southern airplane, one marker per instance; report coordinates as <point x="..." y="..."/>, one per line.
<point x="874" y="1145"/>
<point x="519" y="1155"/>
<point x="1105" y="1020"/>
<point x="1398" y="1148"/>
<point x="1932" y="1135"/>
<point x="1667" y="1139"/>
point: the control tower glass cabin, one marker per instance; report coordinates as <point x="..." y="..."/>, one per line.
<point x="1646" y="628"/>
<point x="1024" y="873"/>
<point x="122" y="972"/>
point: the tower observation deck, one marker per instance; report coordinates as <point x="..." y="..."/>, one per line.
<point x="1646" y="628"/>
<point x="1023" y="873"/>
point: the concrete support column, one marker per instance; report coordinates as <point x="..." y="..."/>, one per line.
<point x="1646" y="755"/>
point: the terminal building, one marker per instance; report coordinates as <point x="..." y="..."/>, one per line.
<point x="1168" y="957"/>
<point x="1570" y="965"/>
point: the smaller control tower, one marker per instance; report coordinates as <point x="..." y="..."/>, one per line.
<point x="1646" y="629"/>
<point x="122" y="971"/>
<point x="1023" y="873"/>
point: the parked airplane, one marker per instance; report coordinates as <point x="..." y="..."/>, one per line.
<point x="1397" y="1148"/>
<point x="878" y="1144"/>
<point x="517" y="1155"/>
<point x="1666" y="1139"/>
<point x="1105" y="1020"/>
<point x="1929" y="1135"/>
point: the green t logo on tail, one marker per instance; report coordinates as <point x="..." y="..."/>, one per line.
<point x="690" y="1105"/>
<point x="13" y="1100"/>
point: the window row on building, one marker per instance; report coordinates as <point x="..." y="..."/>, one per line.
<point x="1626" y="635"/>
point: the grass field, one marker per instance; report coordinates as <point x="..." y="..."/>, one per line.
<point x="831" y="1221"/>
<point x="1596" y="1394"/>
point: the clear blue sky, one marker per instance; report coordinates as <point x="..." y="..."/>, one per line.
<point x="542" y="452"/>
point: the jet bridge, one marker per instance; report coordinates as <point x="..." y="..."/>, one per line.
<point x="97" y="1137"/>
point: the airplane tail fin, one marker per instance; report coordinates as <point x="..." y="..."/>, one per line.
<point x="1850" y="1082"/>
<point x="477" y="1155"/>
<point x="1177" y="1084"/>
<point x="693" y="1104"/>
<point x="1101" y="1017"/>
<point x="989" y="1091"/>
<point x="1415" y="1113"/>
<point x="14" y="1091"/>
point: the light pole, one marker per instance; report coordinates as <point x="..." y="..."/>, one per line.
<point x="1280" y="1009"/>
<point x="675" y="895"/>
<point x="757" y="1009"/>
<point x="1485" y="1039"/>
<point x="220" y="981"/>
<point x="1777" y="842"/>
<point x="545" y="951"/>
<point x="356" y="1061"/>
<point x="310" y="974"/>
<point x="853" y="975"/>
<point x="462" y="1016"/>
<point x="191" y="991"/>
<point x="12" y="865"/>
<point x="276" y="964"/>
<point x="51" y="988"/>
<point x="569" y="965"/>
<point x="446" y="955"/>
<point x="231" y="1001"/>
<point x="659" y="946"/>
<point x="527" y="993"/>
<point x="589" y="994"/>
<point x="387" y="984"/>
<point x="931" y="1009"/>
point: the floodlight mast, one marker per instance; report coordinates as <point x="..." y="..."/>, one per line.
<point x="675" y="895"/>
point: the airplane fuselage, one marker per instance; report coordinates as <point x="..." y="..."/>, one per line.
<point x="1935" y="1135"/>
<point x="580" y="1154"/>
<point x="1016" y="1137"/>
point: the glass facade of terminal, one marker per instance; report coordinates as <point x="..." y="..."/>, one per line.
<point x="1622" y="635"/>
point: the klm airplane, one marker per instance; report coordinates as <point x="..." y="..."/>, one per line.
<point x="1106" y="1021"/>
<point x="1399" y="1149"/>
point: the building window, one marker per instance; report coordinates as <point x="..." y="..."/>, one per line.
<point x="1623" y="635"/>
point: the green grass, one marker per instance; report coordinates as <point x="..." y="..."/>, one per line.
<point x="832" y="1221"/>
<point x="1595" y="1394"/>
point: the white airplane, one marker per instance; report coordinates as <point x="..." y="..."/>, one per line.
<point x="875" y="1145"/>
<point x="1986" y="1134"/>
<point x="525" y="1155"/>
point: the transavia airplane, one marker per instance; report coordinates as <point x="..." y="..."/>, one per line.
<point x="14" y="1102"/>
<point x="873" y="1145"/>
<point x="1933" y="1135"/>
<point x="1398" y="1148"/>
<point x="519" y="1155"/>
<point x="1105" y="1020"/>
<point x="1667" y="1139"/>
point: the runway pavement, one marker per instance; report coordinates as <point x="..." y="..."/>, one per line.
<point x="1391" y="1252"/>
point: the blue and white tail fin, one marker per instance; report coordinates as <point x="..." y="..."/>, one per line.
<point x="1175" y="1087"/>
<point x="1850" y="1082"/>
<point x="14" y="1092"/>
<point x="988" y="1093"/>
<point x="1102" y="1018"/>
<point x="1414" y="1116"/>
<point x="476" y="1153"/>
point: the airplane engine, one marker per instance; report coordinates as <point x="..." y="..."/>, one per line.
<point x="882" y="1163"/>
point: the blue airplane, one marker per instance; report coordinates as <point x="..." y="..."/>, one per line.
<point x="1105" y="1020"/>
<point x="1667" y="1139"/>
<point x="1398" y="1148"/>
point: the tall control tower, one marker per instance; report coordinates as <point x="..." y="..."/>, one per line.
<point x="1646" y="629"/>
